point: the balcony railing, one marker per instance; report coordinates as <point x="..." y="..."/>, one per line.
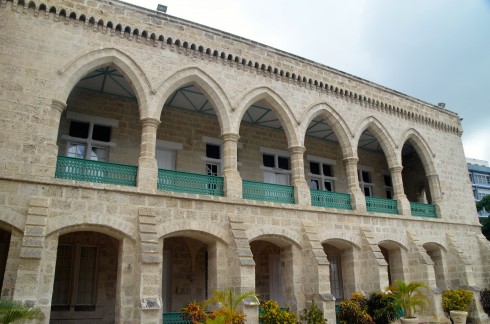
<point x="330" y="199"/>
<point x="268" y="192"/>
<point x="381" y="205"/>
<point x="174" y="318"/>
<point x="95" y="171"/>
<point x="192" y="183"/>
<point x="423" y="210"/>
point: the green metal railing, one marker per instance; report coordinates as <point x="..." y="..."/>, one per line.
<point x="174" y="318"/>
<point x="192" y="183"/>
<point x="330" y="199"/>
<point x="423" y="210"/>
<point x="95" y="171"/>
<point x="268" y="192"/>
<point x="381" y="205"/>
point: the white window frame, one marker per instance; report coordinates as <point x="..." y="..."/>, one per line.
<point x="210" y="161"/>
<point x="388" y="188"/>
<point x="321" y="178"/>
<point x="362" y="183"/>
<point x="481" y="178"/>
<point x="89" y="143"/>
<point x="276" y="170"/>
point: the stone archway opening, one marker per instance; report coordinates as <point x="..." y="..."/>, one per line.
<point x="415" y="182"/>
<point x="373" y="171"/>
<point x="323" y="148"/>
<point x="395" y="256"/>
<point x="274" y="270"/>
<point x="340" y="255"/>
<point x="85" y="279"/>
<point x="438" y="255"/>
<point x="100" y="125"/>
<point x="190" y="270"/>
<point x="188" y="137"/>
<point x="4" y="251"/>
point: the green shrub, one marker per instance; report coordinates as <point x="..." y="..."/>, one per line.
<point x="354" y="310"/>
<point x="312" y="314"/>
<point x="458" y="300"/>
<point x="382" y="308"/>
<point x="273" y="314"/>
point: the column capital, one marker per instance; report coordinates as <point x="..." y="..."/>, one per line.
<point x="58" y="105"/>
<point x="234" y="137"/>
<point x="297" y="149"/>
<point x="396" y="168"/>
<point x="150" y="121"/>
<point x="350" y="160"/>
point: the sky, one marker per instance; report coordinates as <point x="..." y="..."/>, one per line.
<point x="433" y="50"/>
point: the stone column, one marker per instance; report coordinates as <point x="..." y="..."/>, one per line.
<point x="435" y="191"/>
<point x="128" y="285"/>
<point x="398" y="191"/>
<point x="302" y="194"/>
<point x="232" y="178"/>
<point x="47" y="166"/>
<point x="358" y="201"/>
<point x="147" y="164"/>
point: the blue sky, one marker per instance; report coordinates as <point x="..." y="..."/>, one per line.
<point x="436" y="50"/>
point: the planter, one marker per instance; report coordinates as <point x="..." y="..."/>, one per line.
<point x="412" y="320"/>
<point x="458" y="317"/>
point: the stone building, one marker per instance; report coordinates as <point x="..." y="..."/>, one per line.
<point x="146" y="160"/>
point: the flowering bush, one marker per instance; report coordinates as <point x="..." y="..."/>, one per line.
<point x="273" y="314"/>
<point x="193" y="312"/>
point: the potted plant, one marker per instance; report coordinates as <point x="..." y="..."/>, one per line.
<point x="410" y="298"/>
<point x="457" y="303"/>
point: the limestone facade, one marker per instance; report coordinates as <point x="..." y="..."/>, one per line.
<point x="101" y="252"/>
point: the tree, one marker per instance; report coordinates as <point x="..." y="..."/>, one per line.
<point x="485" y="221"/>
<point x="483" y="203"/>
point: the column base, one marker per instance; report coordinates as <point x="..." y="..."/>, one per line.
<point x="147" y="174"/>
<point x="358" y="200"/>
<point x="233" y="184"/>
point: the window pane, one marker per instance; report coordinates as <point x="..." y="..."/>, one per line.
<point x="366" y="177"/>
<point x="86" y="276"/>
<point x="367" y="191"/>
<point x="78" y="129"/>
<point x="389" y="194"/>
<point x="387" y="180"/>
<point x="213" y="151"/>
<point x="101" y="133"/>
<point x="314" y="168"/>
<point x="268" y="160"/>
<point x="99" y="154"/>
<point x="211" y="169"/>
<point x="328" y="186"/>
<point x="76" y="150"/>
<point x="314" y="184"/>
<point x="283" y="163"/>
<point x="327" y="170"/>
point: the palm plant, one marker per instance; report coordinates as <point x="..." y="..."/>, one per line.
<point x="409" y="297"/>
<point x="12" y="311"/>
<point x="230" y="301"/>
